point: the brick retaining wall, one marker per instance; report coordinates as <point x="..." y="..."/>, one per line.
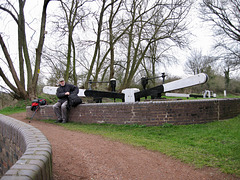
<point x="25" y="153"/>
<point x="151" y="113"/>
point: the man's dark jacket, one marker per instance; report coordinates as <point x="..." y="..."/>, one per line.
<point x="66" y="88"/>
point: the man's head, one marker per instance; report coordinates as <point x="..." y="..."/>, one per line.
<point x="61" y="82"/>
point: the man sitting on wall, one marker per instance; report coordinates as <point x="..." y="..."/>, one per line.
<point x="60" y="108"/>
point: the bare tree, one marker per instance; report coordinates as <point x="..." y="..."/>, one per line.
<point x="159" y="54"/>
<point x="225" y="18"/>
<point x="74" y="15"/>
<point x="198" y="63"/>
<point x="195" y="62"/>
<point x="18" y="88"/>
<point x="153" y="22"/>
<point x="141" y="25"/>
<point x="125" y="34"/>
<point x="66" y="27"/>
<point x="97" y="45"/>
<point x="110" y="29"/>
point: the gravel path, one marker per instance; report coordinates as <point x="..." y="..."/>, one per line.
<point x="78" y="156"/>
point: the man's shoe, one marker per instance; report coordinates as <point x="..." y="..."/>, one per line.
<point x="64" y="121"/>
<point x="58" y="121"/>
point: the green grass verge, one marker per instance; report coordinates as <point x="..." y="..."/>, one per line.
<point x="9" y="111"/>
<point x="228" y="96"/>
<point x="215" y="144"/>
<point x="17" y="108"/>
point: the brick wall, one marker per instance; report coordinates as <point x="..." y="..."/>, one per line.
<point x="25" y="153"/>
<point x="151" y="113"/>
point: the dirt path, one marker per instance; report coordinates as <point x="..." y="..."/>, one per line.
<point x="84" y="156"/>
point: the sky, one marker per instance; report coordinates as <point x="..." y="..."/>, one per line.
<point x="201" y="40"/>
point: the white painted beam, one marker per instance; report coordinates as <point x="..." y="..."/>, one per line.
<point x="186" y="82"/>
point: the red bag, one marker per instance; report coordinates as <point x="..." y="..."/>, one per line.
<point x="37" y="102"/>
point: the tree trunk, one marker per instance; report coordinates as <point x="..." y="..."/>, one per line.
<point x="33" y="88"/>
<point x="74" y="64"/>
<point x="21" y="25"/>
<point x="97" y="46"/>
<point x="20" y="89"/>
<point x="66" y="75"/>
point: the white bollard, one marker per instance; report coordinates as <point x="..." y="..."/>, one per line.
<point x="129" y="94"/>
<point x="225" y="93"/>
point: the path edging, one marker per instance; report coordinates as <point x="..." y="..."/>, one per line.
<point x="28" y="152"/>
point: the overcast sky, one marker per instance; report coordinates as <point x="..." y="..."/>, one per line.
<point x="201" y="40"/>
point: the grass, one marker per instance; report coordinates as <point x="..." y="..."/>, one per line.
<point x="215" y="144"/>
<point x="17" y="108"/>
<point x="228" y="96"/>
<point x="9" y="110"/>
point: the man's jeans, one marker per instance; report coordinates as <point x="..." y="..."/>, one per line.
<point x="60" y="109"/>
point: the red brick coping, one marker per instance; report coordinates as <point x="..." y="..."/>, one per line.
<point x="150" y="113"/>
<point x="25" y="153"/>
